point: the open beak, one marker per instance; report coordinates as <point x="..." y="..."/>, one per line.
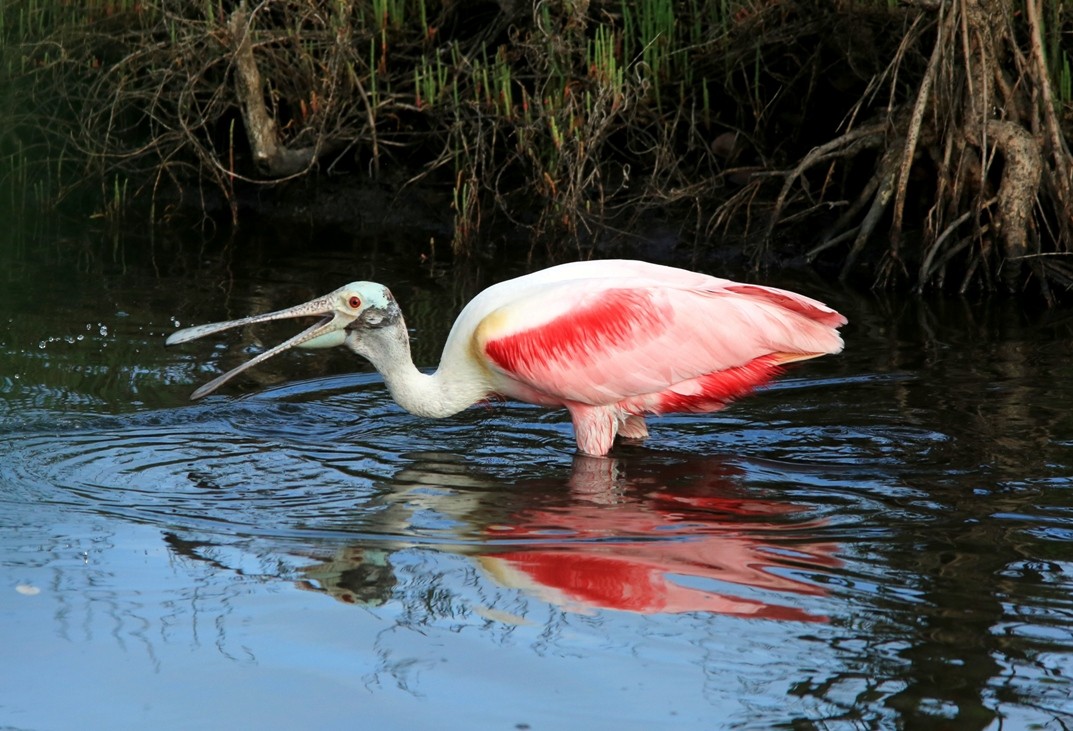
<point x="329" y="331"/>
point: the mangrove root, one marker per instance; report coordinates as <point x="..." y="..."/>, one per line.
<point x="988" y="141"/>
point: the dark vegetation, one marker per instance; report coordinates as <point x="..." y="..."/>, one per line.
<point x="917" y="144"/>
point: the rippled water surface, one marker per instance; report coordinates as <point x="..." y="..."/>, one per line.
<point x="880" y="539"/>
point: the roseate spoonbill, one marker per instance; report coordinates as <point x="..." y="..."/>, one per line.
<point x="609" y="340"/>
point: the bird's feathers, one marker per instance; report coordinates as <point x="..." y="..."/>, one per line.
<point x="691" y="344"/>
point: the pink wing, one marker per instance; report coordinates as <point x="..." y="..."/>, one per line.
<point x="657" y="348"/>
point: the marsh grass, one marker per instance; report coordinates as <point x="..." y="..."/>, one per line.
<point x="574" y="118"/>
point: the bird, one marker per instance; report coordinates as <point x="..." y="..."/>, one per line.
<point x="611" y="341"/>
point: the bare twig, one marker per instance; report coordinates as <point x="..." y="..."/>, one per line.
<point x="846" y="145"/>
<point x="1059" y="149"/>
<point x="271" y="156"/>
<point x="926" y="269"/>
<point x="916" y="119"/>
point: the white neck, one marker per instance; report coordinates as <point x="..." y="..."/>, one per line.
<point x="453" y="387"/>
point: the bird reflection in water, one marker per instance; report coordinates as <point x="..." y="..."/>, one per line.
<point x="678" y="537"/>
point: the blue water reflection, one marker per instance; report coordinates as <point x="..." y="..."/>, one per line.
<point x="878" y="540"/>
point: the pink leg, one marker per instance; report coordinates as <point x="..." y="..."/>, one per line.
<point x="594" y="428"/>
<point x="633" y="427"/>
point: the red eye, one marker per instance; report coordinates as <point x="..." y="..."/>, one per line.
<point x="354" y="302"/>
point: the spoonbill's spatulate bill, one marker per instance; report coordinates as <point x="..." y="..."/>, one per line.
<point x="610" y="341"/>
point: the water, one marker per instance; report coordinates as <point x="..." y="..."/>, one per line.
<point x="881" y="539"/>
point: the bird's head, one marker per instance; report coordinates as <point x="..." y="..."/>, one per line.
<point x="360" y="308"/>
<point x="346" y="315"/>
